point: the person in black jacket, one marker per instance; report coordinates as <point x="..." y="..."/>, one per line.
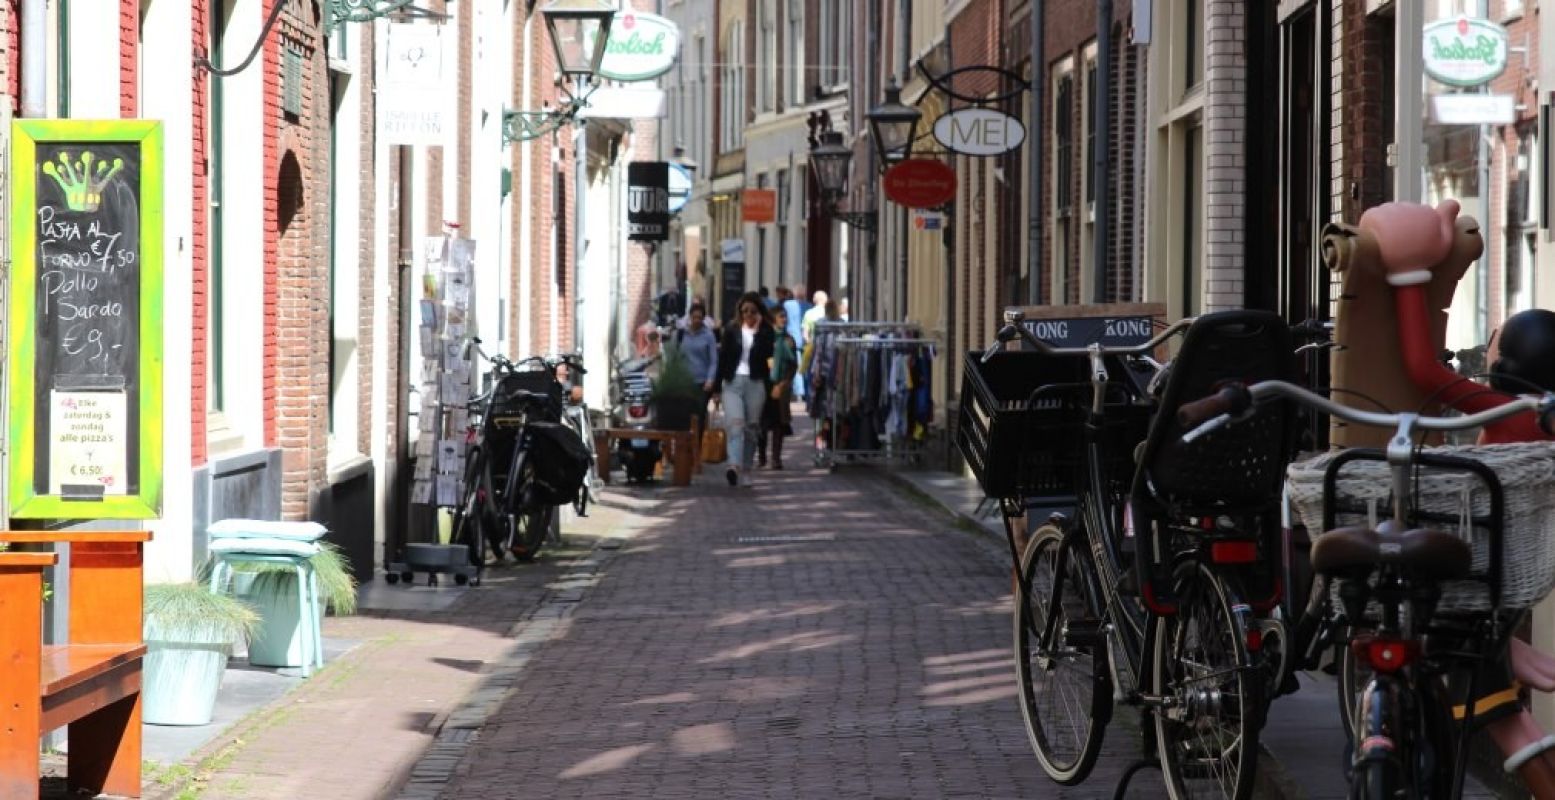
<point x="744" y="362"/>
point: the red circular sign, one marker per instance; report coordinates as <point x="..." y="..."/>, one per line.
<point x="920" y="183"/>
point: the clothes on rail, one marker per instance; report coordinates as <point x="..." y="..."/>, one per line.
<point x="875" y="387"/>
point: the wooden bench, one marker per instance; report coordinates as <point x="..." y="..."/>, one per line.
<point x="680" y="449"/>
<point x="91" y="683"/>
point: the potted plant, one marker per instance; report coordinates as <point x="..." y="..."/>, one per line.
<point x="675" y="391"/>
<point x="278" y="640"/>
<point x="189" y="632"/>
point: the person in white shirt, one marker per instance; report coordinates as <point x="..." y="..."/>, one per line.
<point x="744" y="364"/>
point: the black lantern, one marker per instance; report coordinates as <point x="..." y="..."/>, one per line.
<point x="579" y="29"/>
<point x="893" y="124"/>
<point x="831" y="158"/>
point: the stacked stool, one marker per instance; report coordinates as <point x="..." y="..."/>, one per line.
<point x="290" y="544"/>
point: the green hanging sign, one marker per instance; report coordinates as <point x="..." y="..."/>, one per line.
<point x="1465" y="52"/>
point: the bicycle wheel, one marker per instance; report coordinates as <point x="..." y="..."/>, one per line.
<point x="1207" y="730"/>
<point x="473" y="518"/>
<point x="1065" y="692"/>
<point x="530" y="521"/>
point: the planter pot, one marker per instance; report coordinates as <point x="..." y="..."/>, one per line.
<point x="674" y="413"/>
<point x="181" y="676"/>
<point x="279" y="639"/>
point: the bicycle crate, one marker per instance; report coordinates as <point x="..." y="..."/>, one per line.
<point x="507" y="412"/>
<point x="1022" y="423"/>
<point x="1526" y="471"/>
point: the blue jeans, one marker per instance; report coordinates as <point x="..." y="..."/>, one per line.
<point x="742" y="401"/>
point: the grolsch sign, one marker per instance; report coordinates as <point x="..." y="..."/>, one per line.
<point x="648" y="201"/>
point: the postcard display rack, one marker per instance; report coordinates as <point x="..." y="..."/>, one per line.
<point x="443" y="316"/>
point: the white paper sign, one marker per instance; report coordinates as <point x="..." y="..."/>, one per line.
<point x="412" y="103"/>
<point x="88" y="445"/>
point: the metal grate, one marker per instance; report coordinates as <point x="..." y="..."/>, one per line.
<point x="291" y="81"/>
<point x="807" y="537"/>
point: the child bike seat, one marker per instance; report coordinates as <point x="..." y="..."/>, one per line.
<point x="1434" y="555"/>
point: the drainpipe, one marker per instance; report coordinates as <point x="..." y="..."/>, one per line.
<point x="1034" y="165"/>
<point x="35" y="55"/>
<point x="1099" y="172"/>
<point x="62" y="106"/>
<point x="580" y="221"/>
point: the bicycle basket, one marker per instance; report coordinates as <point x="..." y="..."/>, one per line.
<point x="508" y="411"/>
<point x="1037" y="449"/>
<point x="1526" y="471"/>
<point x="560" y="460"/>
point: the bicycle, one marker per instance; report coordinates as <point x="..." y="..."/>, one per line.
<point x="1413" y="658"/>
<point x="1093" y="624"/>
<point x="501" y="508"/>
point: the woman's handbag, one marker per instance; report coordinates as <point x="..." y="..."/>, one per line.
<point x="715" y="442"/>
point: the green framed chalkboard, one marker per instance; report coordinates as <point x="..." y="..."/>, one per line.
<point x="85" y="306"/>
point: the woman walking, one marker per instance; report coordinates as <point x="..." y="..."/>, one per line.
<point x="743" y="370"/>
<point x="776" y="415"/>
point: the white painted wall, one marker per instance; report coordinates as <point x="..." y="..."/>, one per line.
<point x="527" y="208"/>
<point x="488" y="79"/>
<point x="94" y="91"/>
<point x="595" y="285"/>
<point x="242" y="301"/>
<point x="347" y="172"/>
<point x="385" y="261"/>
<point x="168" y="31"/>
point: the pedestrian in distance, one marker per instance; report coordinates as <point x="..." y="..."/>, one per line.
<point x="794" y="308"/>
<point x="744" y="358"/>
<point x="766" y="297"/>
<point x="776" y="415"/>
<point x="700" y="347"/>
<point x="814" y="314"/>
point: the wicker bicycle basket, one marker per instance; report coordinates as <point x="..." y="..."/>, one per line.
<point x="1527" y="475"/>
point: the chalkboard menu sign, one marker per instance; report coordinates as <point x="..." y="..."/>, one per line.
<point x="85" y="314"/>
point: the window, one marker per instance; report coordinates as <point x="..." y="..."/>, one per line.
<point x="1193" y="45"/>
<point x="1193" y="222"/>
<point x="1091" y="102"/>
<point x="766" y="34"/>
<point x="836" y="27"/>
<point x="782" y="225"/>
<point x="1063" y="142"/>
<point x="732" y="93"/>
<point x="796" y="56"/>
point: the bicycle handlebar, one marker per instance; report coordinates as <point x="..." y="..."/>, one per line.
<point x="1229" y="399"/>
<point x="1013" y="329"/>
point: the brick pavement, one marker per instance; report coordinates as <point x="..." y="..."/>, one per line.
<point x="820" y="636"/>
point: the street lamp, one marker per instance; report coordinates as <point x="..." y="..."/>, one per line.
<point x="579" y="29"/>
<point x="682" y="160"/>
<point x="893" y="123"/>
<point x="830" y="159"/>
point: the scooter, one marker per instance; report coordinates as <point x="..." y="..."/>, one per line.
<point x="638" y="456"/>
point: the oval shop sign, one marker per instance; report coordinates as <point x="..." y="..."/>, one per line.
<point x="920" y="183"/>
<point x="1465" y="52"/>
<point x="979" y="132"/>
<point x="641" y="47"/>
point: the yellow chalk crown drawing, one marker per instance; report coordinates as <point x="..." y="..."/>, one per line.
<point x="82" y="181"/>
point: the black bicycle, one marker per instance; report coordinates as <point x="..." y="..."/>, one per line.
<point x="1404" y="661"/>
<point x="1147" y="584"/>
<point x="503" y="510"/>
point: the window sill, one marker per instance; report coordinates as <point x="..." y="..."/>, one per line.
<point x="220" y="437"/>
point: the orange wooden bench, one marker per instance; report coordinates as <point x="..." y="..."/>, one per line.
<point x="680" y="450"/>
<point x="91" y="683"/>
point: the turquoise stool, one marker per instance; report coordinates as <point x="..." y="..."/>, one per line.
<point x="292" y="544"/>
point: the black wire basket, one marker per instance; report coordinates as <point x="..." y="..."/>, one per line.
<point x="1022" y="426"/>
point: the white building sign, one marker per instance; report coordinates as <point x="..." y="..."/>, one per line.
<point x="641" y="47"/>
<point x="412" y="101"/>
<point x="1465" y="52"/>
<point x="979" y="132"/>
<point x="1473" y="109"/>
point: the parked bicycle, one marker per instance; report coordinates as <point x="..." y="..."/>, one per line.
<point x="1427" y="617"/>
<point x="521" y="462"/>
<point x="1148" y="584"/>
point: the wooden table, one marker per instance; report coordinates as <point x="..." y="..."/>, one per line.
<point x="680" y="449"/>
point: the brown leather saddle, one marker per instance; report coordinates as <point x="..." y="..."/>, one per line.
<point x="1433" y="555"/>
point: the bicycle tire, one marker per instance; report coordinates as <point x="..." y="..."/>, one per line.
<point x="528" y="524"/>
<point x="472" y="517"/>
<point x="1200" y="664"/>
<point x="1067" y="753"/>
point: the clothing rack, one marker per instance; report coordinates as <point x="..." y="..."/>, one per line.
<point x="882" y="424"/>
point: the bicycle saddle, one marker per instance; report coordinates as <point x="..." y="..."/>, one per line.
<point x="1435" y="555"/>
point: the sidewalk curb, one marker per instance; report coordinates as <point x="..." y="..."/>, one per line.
<point x="1273" y="781"/>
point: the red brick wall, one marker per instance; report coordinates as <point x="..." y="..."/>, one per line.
<point x="199" y="244"/>
<point x="1369" y="60"/>
<point x="271" y="64"/>
<point x="129" y="62"/>
<point x="550" y="257"/>
<point x="366" y="241"/>
<point x="434" y="163"/>
<point x="297" y="196"/>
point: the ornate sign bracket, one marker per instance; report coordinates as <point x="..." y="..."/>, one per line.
<point x="340" y="11"/>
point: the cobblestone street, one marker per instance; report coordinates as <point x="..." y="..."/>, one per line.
<point x="824" y="635"/>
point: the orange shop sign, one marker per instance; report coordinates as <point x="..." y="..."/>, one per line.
<point x="759" y="206"/>
<point x="920" y="183"/>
